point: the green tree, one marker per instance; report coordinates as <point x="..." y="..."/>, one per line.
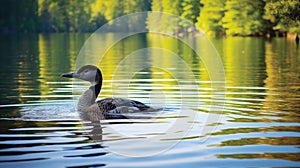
<point x="65" y="16"/>
<point x="16" y="15"/>
<point x="131" y="6"/>
<point x="98" y="9"/>
<point x="243" y="17"/>
<point x="191" y="10"/>
<point x="112" y="9"/>
<point x="210" y="19"/>
<point x="171" y="24"/>
<point x="53" y="15"/>
<point x="79" y="15"/>
<point x="44" y="15"/>
<point x="156" y="5"/>
<point x="153" y="21"/>
<point x="284" y="14"/>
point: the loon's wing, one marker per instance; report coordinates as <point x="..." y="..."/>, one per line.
<point x="119" y="102"/>
<point x="108" y="104"/>
<point x="116" y="108"/>
<point x="112" y="106"/>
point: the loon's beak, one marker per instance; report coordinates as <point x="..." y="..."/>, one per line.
<point x="70" y="75"/>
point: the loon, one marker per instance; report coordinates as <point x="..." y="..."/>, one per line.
<point x="107" y="106"/>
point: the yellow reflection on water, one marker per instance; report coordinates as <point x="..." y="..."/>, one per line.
<point x="283" y="80"/>
<point x="285" y="156"/>
<point x="57" y="54"/>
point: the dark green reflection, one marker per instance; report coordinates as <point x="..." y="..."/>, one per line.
<point x="19" y="67"/>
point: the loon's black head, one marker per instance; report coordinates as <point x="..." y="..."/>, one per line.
<point x="88" y="73"/>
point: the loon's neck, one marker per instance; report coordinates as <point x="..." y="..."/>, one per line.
<point x="96" y="89"/>
<point x="98" y="85"/>
<point x="89" y="97"/>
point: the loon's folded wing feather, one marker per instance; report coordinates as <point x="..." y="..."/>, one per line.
<point x="132" y="105"/>
<point x="106" y="104"/>
<point x="139" y="105"/>
<point x="121" y="105"/>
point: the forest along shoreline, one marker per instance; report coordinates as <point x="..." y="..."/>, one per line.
<point x="267" y="18"/>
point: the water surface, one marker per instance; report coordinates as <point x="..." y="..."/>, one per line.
<point x="257" y="126"/>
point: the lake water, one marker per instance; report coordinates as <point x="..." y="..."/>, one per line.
<point x="249" y="117"/>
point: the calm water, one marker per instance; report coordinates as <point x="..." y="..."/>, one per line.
<point x="258" y="125"/>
